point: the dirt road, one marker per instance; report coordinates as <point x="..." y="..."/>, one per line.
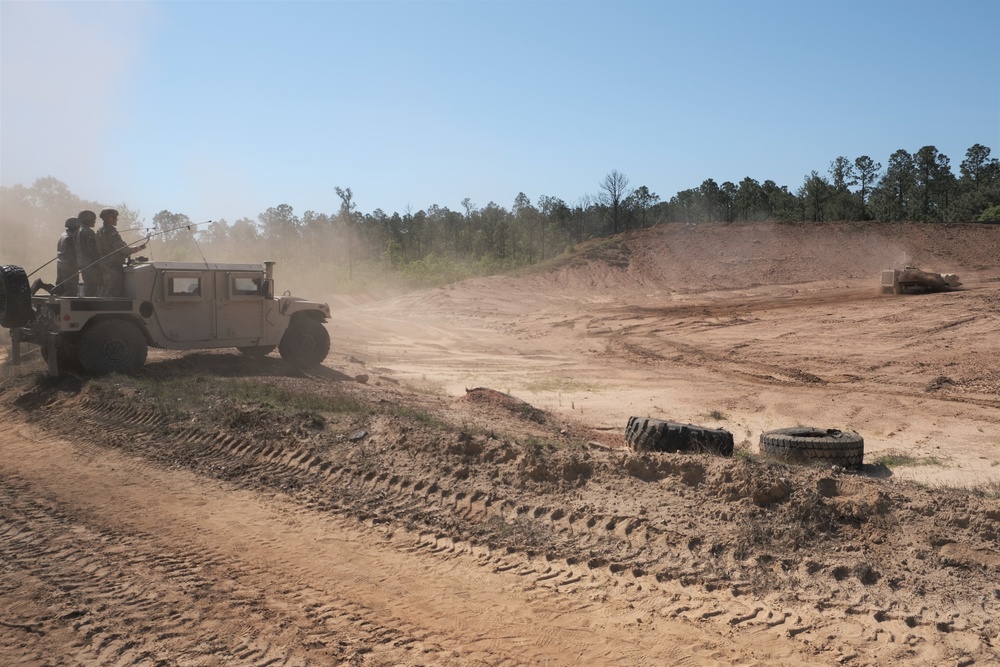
<point x="453" y="487"/>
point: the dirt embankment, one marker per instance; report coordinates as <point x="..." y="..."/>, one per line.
<point x="473" y="502"/>
<point x="766" y="326"/>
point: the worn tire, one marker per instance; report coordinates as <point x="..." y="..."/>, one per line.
<point x="15" y="297"/>
<point x="305" y="343"/>
<point x="657" y="435"/>
<point x="256" y="351"/>
<point x="112" y="346"/>
<point x="808" y="444"/>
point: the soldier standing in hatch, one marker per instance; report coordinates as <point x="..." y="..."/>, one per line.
<point x="113" y="253"/>
<point x="66" y="266"/>
<point x="86" y="254"/>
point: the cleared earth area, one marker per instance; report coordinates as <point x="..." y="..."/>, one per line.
<point x="453" y="487"/>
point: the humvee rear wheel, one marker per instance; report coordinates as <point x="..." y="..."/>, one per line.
<point x="15" y="297"/>
<point x="112" y="346"/>
<point x="67" y="352"/>
<point x="257" y="351"/>
<point x="306" y="343"/>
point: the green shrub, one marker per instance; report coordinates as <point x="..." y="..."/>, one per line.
<point x="992" y="214"/>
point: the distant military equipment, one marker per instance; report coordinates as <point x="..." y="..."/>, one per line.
<point x="912" y="279"/>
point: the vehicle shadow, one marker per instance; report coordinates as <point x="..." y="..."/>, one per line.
<point x="233" y="364"/>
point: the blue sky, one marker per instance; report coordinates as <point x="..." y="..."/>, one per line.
<point x="219" y="110"/>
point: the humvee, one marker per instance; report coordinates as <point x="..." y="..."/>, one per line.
<point x="169" y="305"/>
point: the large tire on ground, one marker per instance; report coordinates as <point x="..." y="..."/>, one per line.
<point x="112" y="346"/>
<point x="807" y="444"/>
<point x="256" y="351"/>
<point x="657" y="435"/>
<point x="306" y="343"/>
<point x="15" y="297"/>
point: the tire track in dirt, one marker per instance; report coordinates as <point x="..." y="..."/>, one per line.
<point x="646" y="545"/>
<point x="750" y="304"/>
<point x="124" y="607"/>
<point x="544" y="574"/>
<point x="287" y="468"/>
<point x="294" y="585"/>
<point x="644" y="344"/>
<point x="635" y="578"/>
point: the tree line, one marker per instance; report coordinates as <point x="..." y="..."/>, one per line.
<point x="438" y="244"/>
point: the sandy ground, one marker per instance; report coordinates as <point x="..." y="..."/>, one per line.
<point x="770" y="325"/>
<point x="510" y="525"/>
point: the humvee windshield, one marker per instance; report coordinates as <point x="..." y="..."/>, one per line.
<point x="246" y="286"/>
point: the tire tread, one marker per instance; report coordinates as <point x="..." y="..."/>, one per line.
<point x="657" y="435"/>
<point x="15" y="297"/>
<point x="844" y="448"/>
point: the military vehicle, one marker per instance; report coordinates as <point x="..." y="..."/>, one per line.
<point x="912" y="279"/>
<point x="169" y="305"/>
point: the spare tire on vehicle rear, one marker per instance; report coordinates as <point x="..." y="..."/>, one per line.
<point x="15" y="297"/>
<point x="657" y="435"/>
<point x="808" y="444"/>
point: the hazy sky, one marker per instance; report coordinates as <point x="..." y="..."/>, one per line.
<point x="223" y="109"/>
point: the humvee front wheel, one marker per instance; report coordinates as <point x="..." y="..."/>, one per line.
<point x="112" y="346"/>
<point x="15" y="297"/>
<point x="306" y="343"/>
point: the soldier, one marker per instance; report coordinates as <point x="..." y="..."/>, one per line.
<point x="113" y="253"/>
<point x="67" y="277"/>
<point x="86" y="254"/>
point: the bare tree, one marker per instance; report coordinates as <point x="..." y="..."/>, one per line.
<point x="614" y="192"/>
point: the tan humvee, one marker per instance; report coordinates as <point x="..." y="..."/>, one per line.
<point x="170" y="305"/>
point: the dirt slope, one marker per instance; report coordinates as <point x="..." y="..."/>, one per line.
<point x="471" y="502"/>
<point x="770" y="325"/>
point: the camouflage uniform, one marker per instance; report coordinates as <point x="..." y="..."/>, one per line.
<point x="67" y="277"/>
<point x="113" y="252"/>
<point x="86" y="255"/>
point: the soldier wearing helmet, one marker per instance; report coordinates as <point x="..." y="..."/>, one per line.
<point x="113" y="252"/>
<point x="67" y="276"/>
<point x="86" y="254"/>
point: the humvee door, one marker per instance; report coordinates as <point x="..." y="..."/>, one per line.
<point x="239" y="305"/>
<point x="184" y="309"/>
